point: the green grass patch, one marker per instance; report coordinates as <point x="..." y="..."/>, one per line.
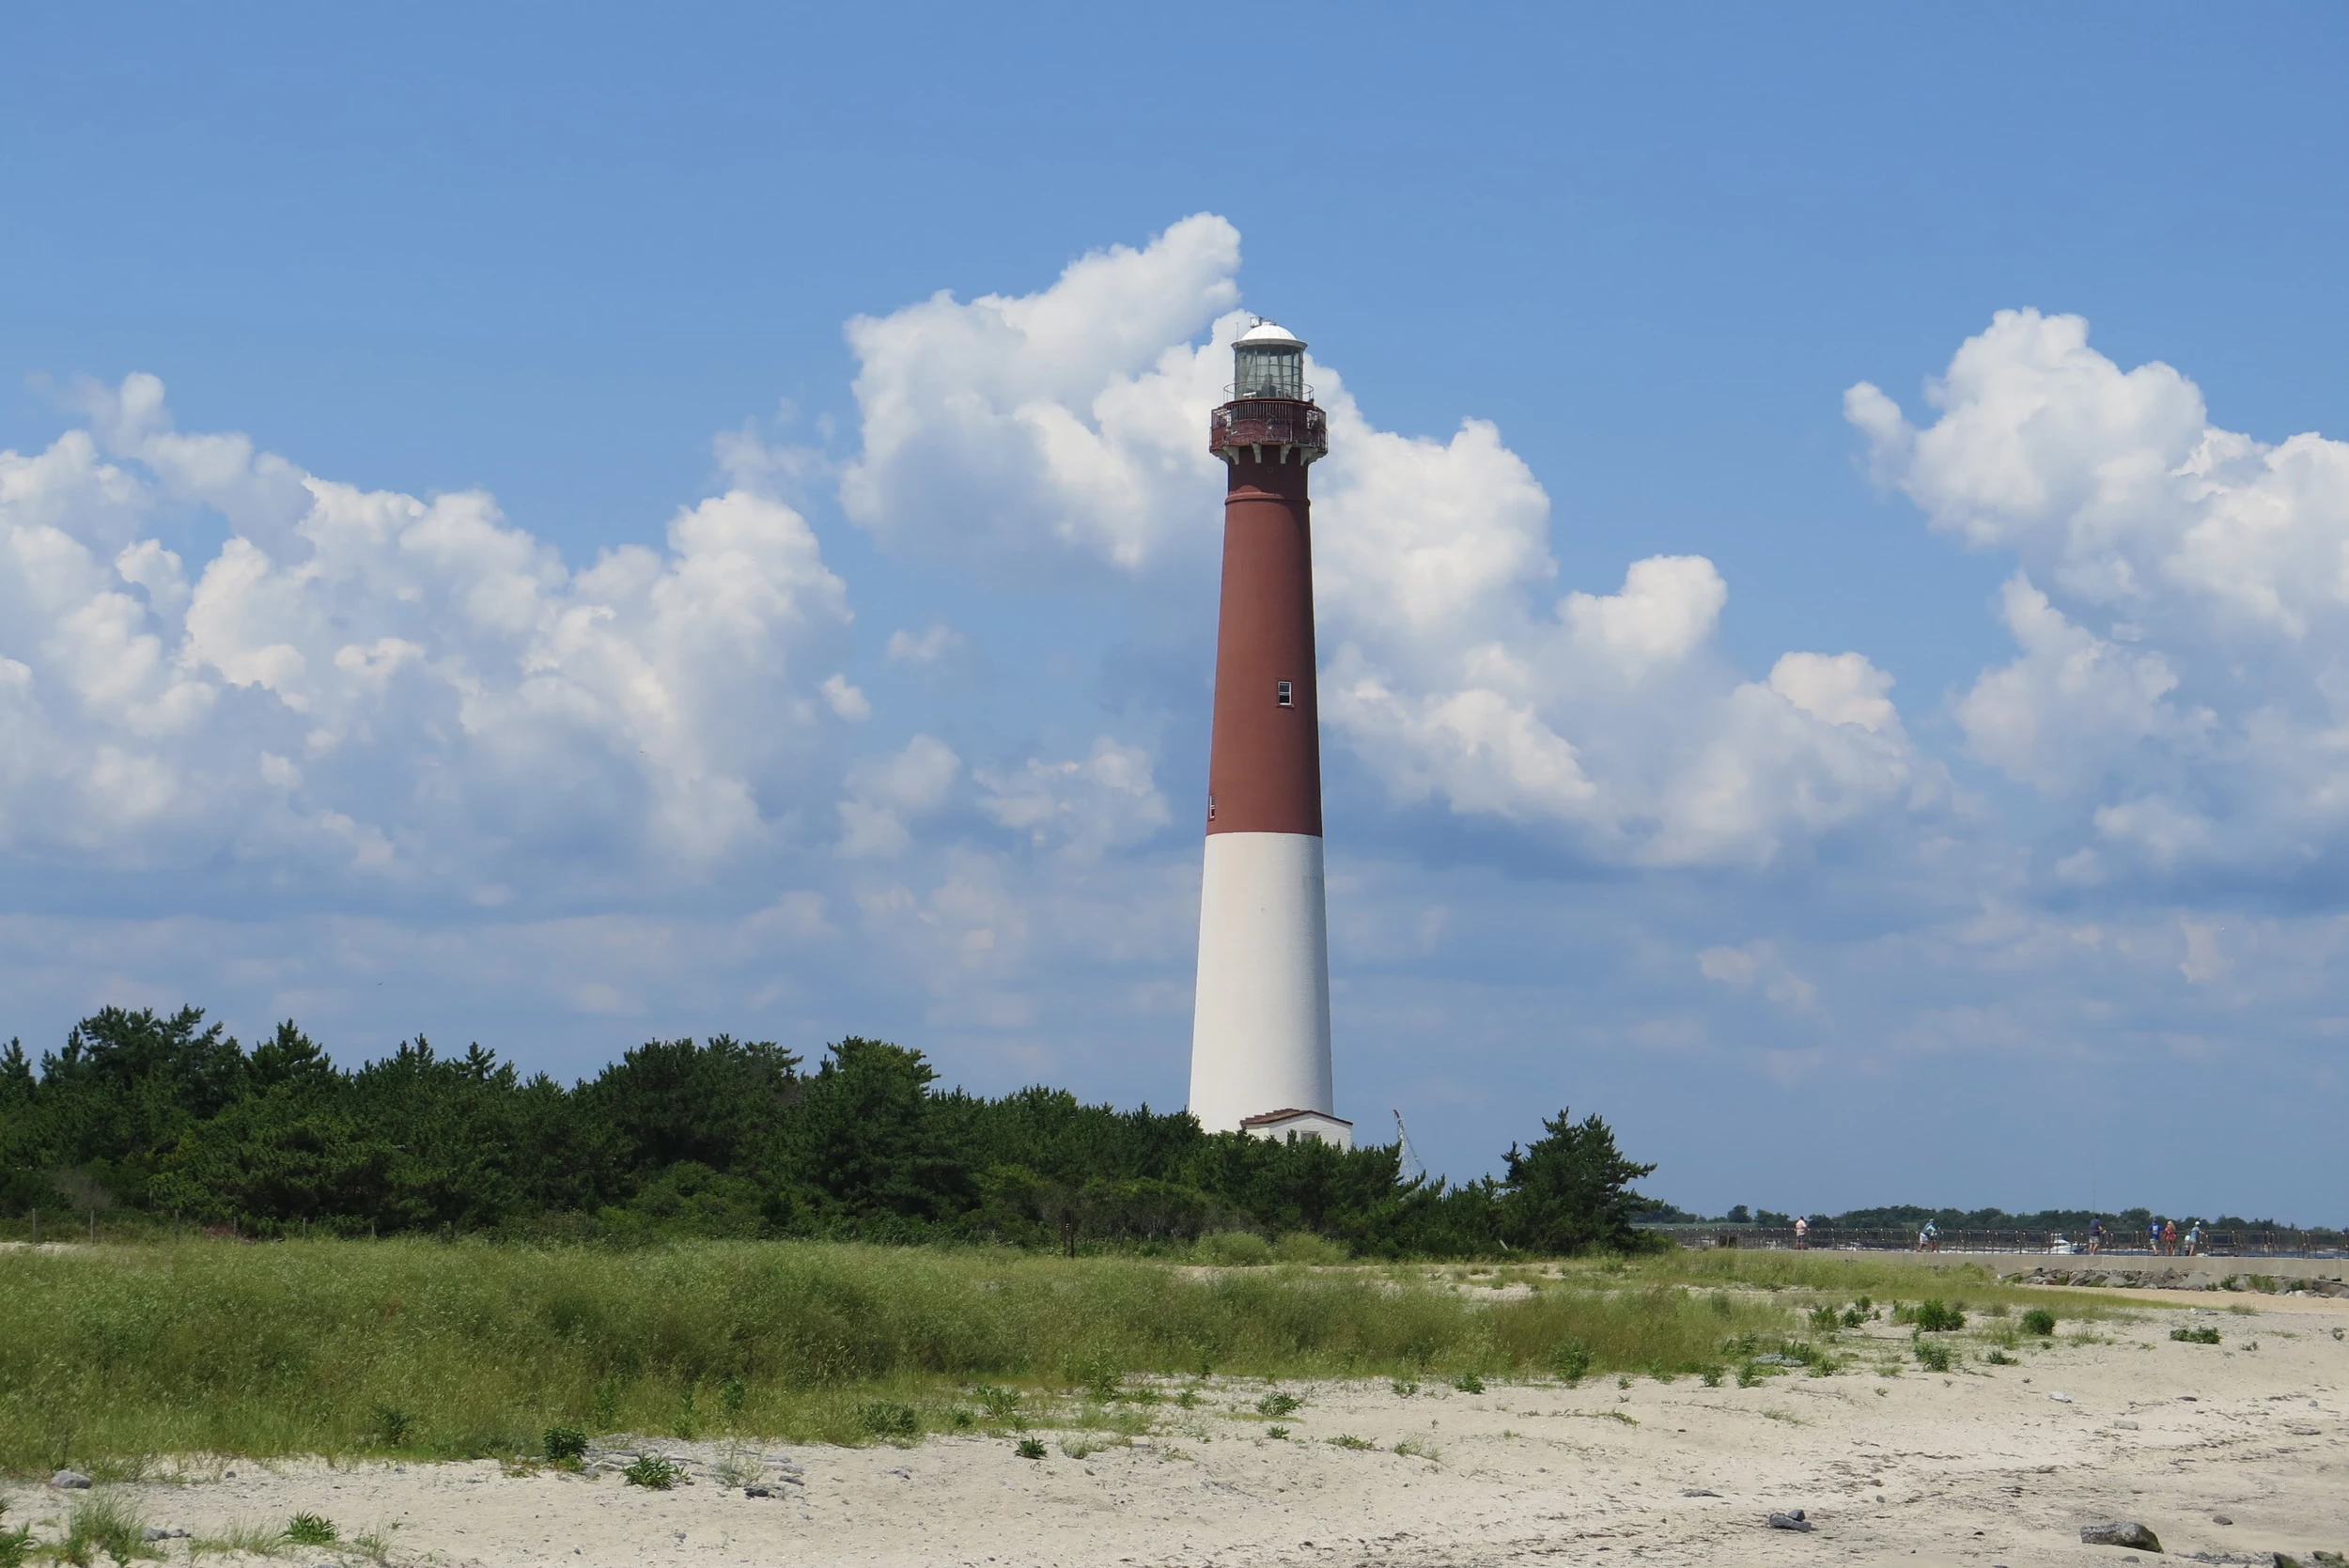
<point x="2195" y="1336"/>
<point x="475" y="1349"/>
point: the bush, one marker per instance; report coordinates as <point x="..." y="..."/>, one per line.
<point x="1933" y="1357"/>
<point x="312" y="1530"/>
<point x="2195" y="1336"/>
<point x="654" y="1472"/>
<point x="1029" y="1448"/>
<point x="2039" y="1321"/>
<point x="1305" y="1246"/>
<point x="1468" y="1383"/>
<point x="1825" y="1320"/>
<point x="566" y="1444"/>
<point x="1000" y="1403"/>
<point x="1279" y="1403"/>
<point x="1934" y="1316"/>
<point x="1232" y="1249"/>
<point x="1571" y="1362"/>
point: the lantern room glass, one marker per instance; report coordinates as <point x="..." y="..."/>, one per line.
<point x="1269" y="370"/>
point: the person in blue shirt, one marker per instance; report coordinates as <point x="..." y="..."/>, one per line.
<point x="2096" y="1234"/>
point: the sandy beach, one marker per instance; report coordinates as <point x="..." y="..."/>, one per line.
<point x="1987" y="1464"/>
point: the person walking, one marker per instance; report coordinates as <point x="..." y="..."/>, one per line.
<point x="2170" y="1238"/>
<point x="1802" y="1232"/>
<point x="2095" y="1234"/>
<point x="2152" y="1237"/>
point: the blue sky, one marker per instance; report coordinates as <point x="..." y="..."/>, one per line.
<point x="527" y="674"/>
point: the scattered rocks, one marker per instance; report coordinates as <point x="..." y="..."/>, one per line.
<point x="69" y="1481"/>
<point x="2121" y="1532"/>
<point x="1790" y="1520"/>
<point x="157" y="1532"/>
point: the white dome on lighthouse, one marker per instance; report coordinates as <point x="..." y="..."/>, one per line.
<point x="1270" y="334"/>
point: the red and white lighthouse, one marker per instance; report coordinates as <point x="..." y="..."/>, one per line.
<point x="1260" y="1030"/>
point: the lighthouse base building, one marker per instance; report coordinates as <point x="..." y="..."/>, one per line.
<point x="1260" y="1031"/>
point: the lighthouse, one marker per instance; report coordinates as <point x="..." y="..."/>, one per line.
<point x="1260" y="1025"/>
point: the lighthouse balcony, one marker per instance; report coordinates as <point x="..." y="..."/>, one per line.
<point x="1282" y="423"/>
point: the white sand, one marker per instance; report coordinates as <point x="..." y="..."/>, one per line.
<point x="1980" y="1467"/>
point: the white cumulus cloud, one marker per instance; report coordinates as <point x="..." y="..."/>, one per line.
<point x="412" y="691"/>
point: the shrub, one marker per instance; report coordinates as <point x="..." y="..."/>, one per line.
<point x="1933" y="1357"/>
<point x="1305" y="1246"/>
<point x="654" y="1472"/>
<point x="1854" y="1317"/>
<point x="2001" y="1358"/>
<point x="1278" y="1433"/>
<point x="312" y="1530"/>
<point x="1029" y="1448"/>
<point x="1404" y="1388"/>
<point x="566" y="1444"/>
<point x="2195" y="1336"/>
<point x="1468" y="1383"/>
<point x="389" y="1425"/>
<point x="2039" y="1321"/>
<point x="1825" y="1319"/>
<point x="1344" y="1441"/>
<point x="1000" y="1403"/>
<point x="1413" y="1448"/>
<point x="1232" y="1249"/>
<point x="1278" y="1403"/>
<point x="1712" y="1376"/>
<point x="1571" y="1362"/>
<point x="1934" y="1316"/>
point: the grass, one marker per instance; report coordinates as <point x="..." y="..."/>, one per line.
<point x="474" y="1349"/>
<point x="312" y="1530"/>
<point x="2195" y="1336"/>
<point x="100" y="1523"/>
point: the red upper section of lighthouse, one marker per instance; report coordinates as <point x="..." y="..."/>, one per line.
<point x="1264" y="766"/>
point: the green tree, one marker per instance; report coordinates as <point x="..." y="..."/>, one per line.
<point x="1570" y="1192"/>
<point x="865" y="1141"/>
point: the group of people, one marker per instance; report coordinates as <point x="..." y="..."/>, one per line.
<point x="2161" y="1237"/>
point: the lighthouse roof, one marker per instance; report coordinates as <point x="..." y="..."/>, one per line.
<point x="1271" y="335"/>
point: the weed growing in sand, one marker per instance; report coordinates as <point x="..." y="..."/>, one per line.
<point x="2001" y="1358"/>
<point x="1571" y="1362"/>
<point x="1279" y="1403"/>
<point x="1825" y="1319"/>
<point x="1003" y="1404"/>
<point x="1344" y="1441"/>
<point x="2039" y="1321"/>
<point x="1405" y="1387"/>
<point x="312" y="1530"/>
<point x="1935" y="1316"/>
<point x="14" y="1542"/>
<point x="1854" y="1317"/>
<point x="654" y="1472"/>
<point x="1932" y="1356"/>
<point x="1278" y="1433"/>
<point x="107" y="1524"/>
<point x="739" y="1467"/>
<point x="2195" y="1336"/>
<point x="1029" y="1448"/>
<point x="375" y="1546"/>
<point x="565" y="1445"/>
<point x="1413" y="1448"/>
<point x="1712" y="1376"/>
<point x="1080" y="1447"/>
<point x="1748" y="1374"/>
<point x="240" y="1538"/>
<point x="1468" y="1383"/>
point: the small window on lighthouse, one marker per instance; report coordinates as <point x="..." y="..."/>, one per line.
<point x="1284" y="693"/>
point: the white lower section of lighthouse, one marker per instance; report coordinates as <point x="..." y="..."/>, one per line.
<point x="1260" y="1034"/>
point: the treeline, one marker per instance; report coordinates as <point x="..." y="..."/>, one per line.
<point x="1894" y="1217"/>
<point x="171" y="1118"/>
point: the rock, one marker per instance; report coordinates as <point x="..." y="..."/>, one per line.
<point x="2061" y="1397"/>
<point x="760" y="1492"/>
<point x="1789" y="1521"/>
<point x="1696" y="1492"/>
<point x="157" y="1532"/>
<point x="2125" y="1425"/>
<point x="2123" y="1532"/>
<point x="69" y="1481"/>
<point x="2220" y="1520"/>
